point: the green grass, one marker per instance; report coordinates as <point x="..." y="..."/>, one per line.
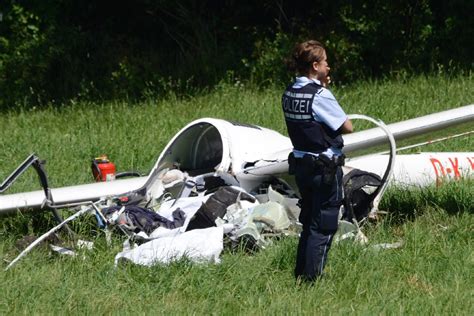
<point x="431" y="273"/>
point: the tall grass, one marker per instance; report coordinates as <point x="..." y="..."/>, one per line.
<point x="430" y="273"/>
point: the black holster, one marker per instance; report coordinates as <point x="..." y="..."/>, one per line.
<point x="308" y="164"/>
<point x="330" y="167"/>
<point x="291" y="164"/>
<point x="311" y="164"/>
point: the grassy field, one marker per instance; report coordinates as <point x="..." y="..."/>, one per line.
<point x="431" y="273"/>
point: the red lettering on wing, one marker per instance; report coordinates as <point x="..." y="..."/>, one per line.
<point x="440" y="174"/>
<point x="455" y="165"/>
<point x="471" y="162"/>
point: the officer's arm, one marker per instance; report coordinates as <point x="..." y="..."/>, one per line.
<point x="346" y="127"/>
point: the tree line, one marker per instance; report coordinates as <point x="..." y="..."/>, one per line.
<point x="54" y="51"/>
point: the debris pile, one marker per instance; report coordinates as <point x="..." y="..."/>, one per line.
<point x="194" y="217"/>
<point x="193" y="221"/>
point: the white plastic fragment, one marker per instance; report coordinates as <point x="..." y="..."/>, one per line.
<point x="272" y="214"/>
<point x="290" y="204"/>
<point x="394" y="245"/>
<point x="63" y="251"/>
<point x="84" y="244"/>
<point x="351" y="231"/>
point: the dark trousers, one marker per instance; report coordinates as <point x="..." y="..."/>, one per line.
<point x="320" y="203"/>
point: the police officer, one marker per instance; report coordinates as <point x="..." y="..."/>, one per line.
<point x="315" y="122"/>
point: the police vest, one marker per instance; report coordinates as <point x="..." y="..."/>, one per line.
<point x="305" y="132"/>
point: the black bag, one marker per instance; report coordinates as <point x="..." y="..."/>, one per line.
<point x="216" y="206"/>
<point x="360" y="189"/>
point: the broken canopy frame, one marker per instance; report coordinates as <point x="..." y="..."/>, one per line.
<point x="391" y="161"/>
<point x="242" y="154"/>
<point x="38" y="165"/>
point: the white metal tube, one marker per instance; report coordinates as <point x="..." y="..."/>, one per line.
<point x="79" y="193"/>
<point x="391" y="162"/>
<point x="405" y="129"/>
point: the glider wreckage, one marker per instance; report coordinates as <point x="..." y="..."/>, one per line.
<point x="217" y="179"/>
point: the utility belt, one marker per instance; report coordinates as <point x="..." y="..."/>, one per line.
<point x="311" y="164"/>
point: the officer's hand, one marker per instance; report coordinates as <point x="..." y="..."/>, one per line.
<point x="326" y="81"/>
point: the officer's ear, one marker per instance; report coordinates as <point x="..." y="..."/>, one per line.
<point x="313" y="71"/>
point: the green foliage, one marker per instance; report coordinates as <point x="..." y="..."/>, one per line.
<point x="387" y="35"/>
<point x="52" y="52"/>
<point x="266" y="66"/>
<point x="20" y="66"/>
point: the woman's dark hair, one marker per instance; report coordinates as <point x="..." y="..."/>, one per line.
<point x="304" y="55"/>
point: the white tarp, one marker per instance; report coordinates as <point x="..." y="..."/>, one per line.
<point x="199" y="245"/>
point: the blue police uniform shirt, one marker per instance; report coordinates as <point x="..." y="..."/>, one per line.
<point x="325" y="109"/>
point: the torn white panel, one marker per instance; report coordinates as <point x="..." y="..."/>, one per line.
<point x="290" y="204"/>
<point x="272" y="214"/>
<point x="239" y="212"/>
<point x="188" y="205"/>
<point x="251" y="221"/>
<point x="199" y="245"/>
